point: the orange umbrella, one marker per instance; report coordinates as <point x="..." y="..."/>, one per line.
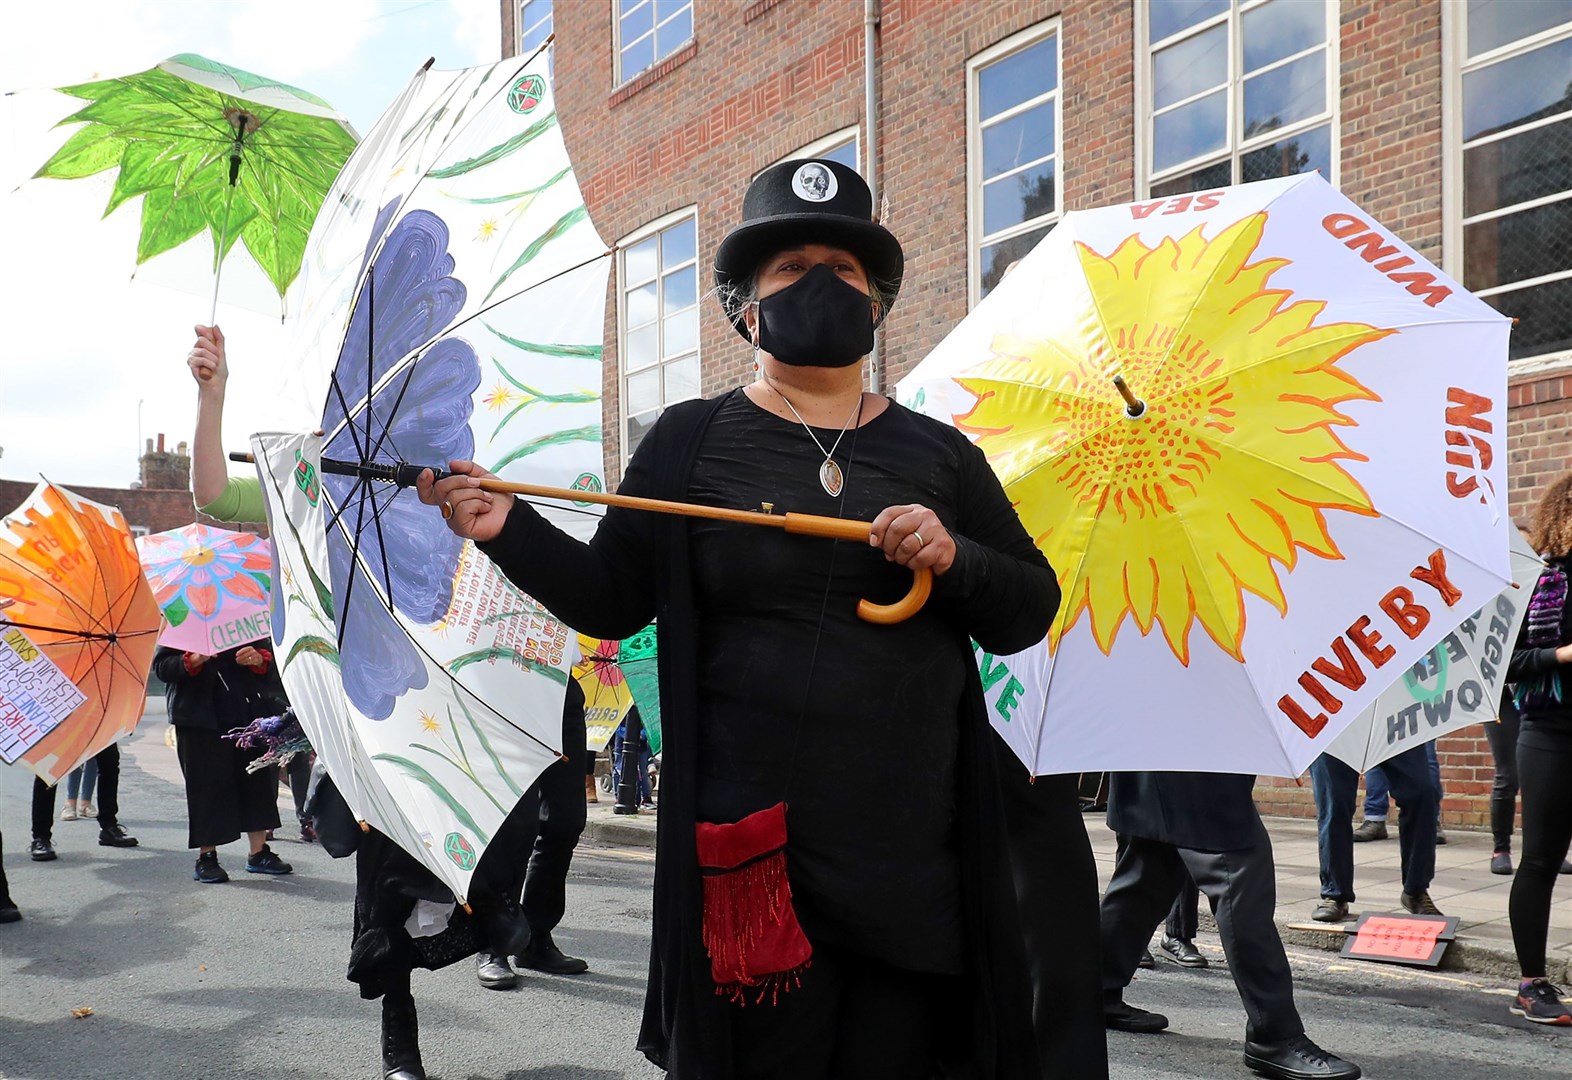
<point x="75" y="611"/>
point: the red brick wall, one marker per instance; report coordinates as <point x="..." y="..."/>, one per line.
<point x="153" y="509"/>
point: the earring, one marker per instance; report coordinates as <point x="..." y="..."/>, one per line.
<point x="755" y="352"/>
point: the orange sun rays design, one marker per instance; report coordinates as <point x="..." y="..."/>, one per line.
<point x="1172" y="517"/>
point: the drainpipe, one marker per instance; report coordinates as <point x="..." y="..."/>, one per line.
<point x="870" y="114"/>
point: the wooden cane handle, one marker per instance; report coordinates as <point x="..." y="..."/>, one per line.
<point x="846" y="529"/>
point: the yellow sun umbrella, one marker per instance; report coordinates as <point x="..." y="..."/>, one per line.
<point x="1261" y="441"/>
<point x="607" y="698"/>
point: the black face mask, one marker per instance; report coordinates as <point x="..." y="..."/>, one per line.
<point x="817" y="321"/>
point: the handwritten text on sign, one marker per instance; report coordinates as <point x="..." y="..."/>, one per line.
<point x="35" y="695"/>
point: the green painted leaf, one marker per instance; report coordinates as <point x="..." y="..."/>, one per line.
<point x="86" y="152"/>
<point x="315" y="645"/>
<point x="485" y="744"/>
<point x="498" y="152"/>
<point x="577" y="352"/>
<point x="458" y="663"/>
<point x="555" y="438"/>
<point x="432" y="784"/>
<point x="177" y="612"/>
<point x="489" y="200"/>
<point x="537" y="245"/>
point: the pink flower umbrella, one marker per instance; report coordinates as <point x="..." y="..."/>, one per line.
<point x="212" y="584"/>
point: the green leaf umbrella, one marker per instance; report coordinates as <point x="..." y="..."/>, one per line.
<point x="210" y="148"/>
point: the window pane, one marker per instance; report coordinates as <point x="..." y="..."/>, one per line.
<point x="1207" y="179"/>
<point x="682" y="379"/>
<point x="536" y="37"/>
<point x="1193" y="65"/>
<point x="1527" y="244"/>
<point x="845" y="153"/>
<point x="1305" y="152"/>
<point x="642" y="348"/>
<point x="644" y="391"/>
<point x="1545" y="312"/>
<point x="635" y="21"/>
<point x="638" y="58"/>
<point x="1493" y="23"/>
<point x="1190" y="131"/>
<point x="1281" y="28"/>
<point x="641" y="305"/>
<point x="1166" y="17"/>
<point x="639" y="261"/>
<point x="679" y="289"/>
<point x="677" y="243"/>
<point x="673" y="35"/>
<point x="1014" y="199"/>
<point x="682" y="332"/>
<point x="1283" y="95"/>
<point x="1518" y="168"/>
<point x="625" y="6"/>
<point x="665" y="9"/>
<point x="638" y="427"/>
<point x="996" y="257"/>
<point x="1017" y="78"/>
<point x="1022" y="138"/>
<point x="1513" y="91"/>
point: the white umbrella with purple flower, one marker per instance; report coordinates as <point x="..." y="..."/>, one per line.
<point x="453" y="303"/>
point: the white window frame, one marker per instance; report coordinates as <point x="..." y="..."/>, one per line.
<point x="974" y="178"/>
<point x="140" y="530"/>
<point x="642" y="233"/>
<point x="520" y="29"/>
<point x="1235" y="148"/>
<point x="617" y="43"/>
<point x="1454" y="38"/>
<point x="819" y="147"/>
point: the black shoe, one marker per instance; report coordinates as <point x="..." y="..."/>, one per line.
<point x="493" y="972"/>
<point x="543" y="955"/>
<point x="1566" y="866"/>
<point x="207" y="870"/>
<point x="1146" y="960"/>
<point x="116" y="836"/>
<point x="1298" y="1059"/>
<point x="8" y="912"/>
<point x="401" y="1042"/>
<point x="1184" y="953"/>
<point x="1122" y="1016"/>
<point x="1370" y="829"/>
<point x="507" y="930"/>
<point x="1440" y="836"/>
<point x="266" y="862"/>
<point x="1501" y="863"/>
<point x="1419" y="904"/>
<point x="1329" y="910"/>
<point x="42" y="851"/>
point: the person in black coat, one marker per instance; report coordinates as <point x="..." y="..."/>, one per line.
<point x="208" y="696"/>
<point x="1206" y="824"/>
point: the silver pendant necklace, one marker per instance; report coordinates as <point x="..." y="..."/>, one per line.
<point x="831" y="479"/>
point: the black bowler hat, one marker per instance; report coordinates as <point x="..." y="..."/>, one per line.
<point x="808" y="201"/>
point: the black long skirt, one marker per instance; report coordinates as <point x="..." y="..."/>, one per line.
<point x="223" y="800"/>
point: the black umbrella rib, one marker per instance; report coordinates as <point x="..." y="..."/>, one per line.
<point x="194" y="115"/>
<point x="85" y="635"/>
<point x="387" y="426"/>
<point x="354" y="557"/>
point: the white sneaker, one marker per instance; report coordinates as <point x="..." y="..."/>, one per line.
<point x="87" y="810"/>
<point x="69" y="813"/>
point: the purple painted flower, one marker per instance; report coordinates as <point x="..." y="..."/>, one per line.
<point x="422" y="416"/>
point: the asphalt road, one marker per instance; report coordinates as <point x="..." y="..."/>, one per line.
<point x="246" y="979"/>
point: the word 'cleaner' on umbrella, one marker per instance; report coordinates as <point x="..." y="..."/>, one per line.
<point x="1261" y="440"/>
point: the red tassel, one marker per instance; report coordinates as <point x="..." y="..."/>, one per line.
<point x="750" y="927"/>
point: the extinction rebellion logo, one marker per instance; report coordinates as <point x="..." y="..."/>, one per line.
<point x="587" y="482"/>
<point x="526" y="93"/>
<point x="459" y="850"/>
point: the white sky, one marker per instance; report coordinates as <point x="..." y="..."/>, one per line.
<point x="86" y="350"/>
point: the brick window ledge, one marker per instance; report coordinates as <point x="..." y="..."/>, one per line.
<point x="757" y="8"/>
<point x="655" y="74"/>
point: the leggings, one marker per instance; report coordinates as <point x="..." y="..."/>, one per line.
<point x="1503" y="791"/>
<point x="1544" y="770"/>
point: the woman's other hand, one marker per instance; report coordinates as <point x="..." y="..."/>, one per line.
<point x="207" y="361"/>
<point x="246" y="656"/>
<point x="913" y="536"/>
<point x="471" y="512"/>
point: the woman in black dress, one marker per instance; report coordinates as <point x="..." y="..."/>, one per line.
<point x="774" y="691"/>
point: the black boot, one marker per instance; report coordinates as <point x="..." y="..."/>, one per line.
<point x="400" y="1040"/>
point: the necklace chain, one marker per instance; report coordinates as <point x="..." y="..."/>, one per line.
<point x="830" y="476"/>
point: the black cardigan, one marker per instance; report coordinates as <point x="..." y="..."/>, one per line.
<point x="637" y="566"/>
<point x="222" y="695"/>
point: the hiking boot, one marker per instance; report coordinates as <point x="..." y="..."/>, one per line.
<point x="1120" y="1015"/>
<point x="1298" y="1059"/>
<point x="590" y="795"/>
<point x="1419" y="904"/>
<point x="1370" y="829"/>
<point x="1539" y="1002"/>
<point x="1501" y="862"/>
<point x="493" y="972"/>
<point x="42" y="851"/>
<point x="543" y="955"/>
<point x="116" y="836"/>
<point x="207" y="870"/>
<point x="400" y="1041"/>
<point x="266" y="862"/>
<point x="1330" y="911"/>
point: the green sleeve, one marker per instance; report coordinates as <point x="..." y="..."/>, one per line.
<point x="241" y="501"/>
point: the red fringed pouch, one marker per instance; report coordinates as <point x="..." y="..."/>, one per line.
<point x="750" y="928"/>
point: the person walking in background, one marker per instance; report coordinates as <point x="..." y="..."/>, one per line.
<point x="1541" y="670"/>
<point x="1184" y="919"/>
<point x="110" y="832"/>
<point x="1502" y="737"/>
<point x="80" y="782"/>
<point x="208" y="696"/>
<point x="1336" y="783"/>
<point x="1378" y="797"/>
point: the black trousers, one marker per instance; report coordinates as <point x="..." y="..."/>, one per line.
<point x="532" y="851"/>
<point x="108" y="795"/>
<point x="223" y="800"/>
<point x="1545" y="769"/>
<point x="1056" y="887"/>
<point x="1503" y="791"/>
<point x="1184" y="918"/>
<point x="1241" y="886"/>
